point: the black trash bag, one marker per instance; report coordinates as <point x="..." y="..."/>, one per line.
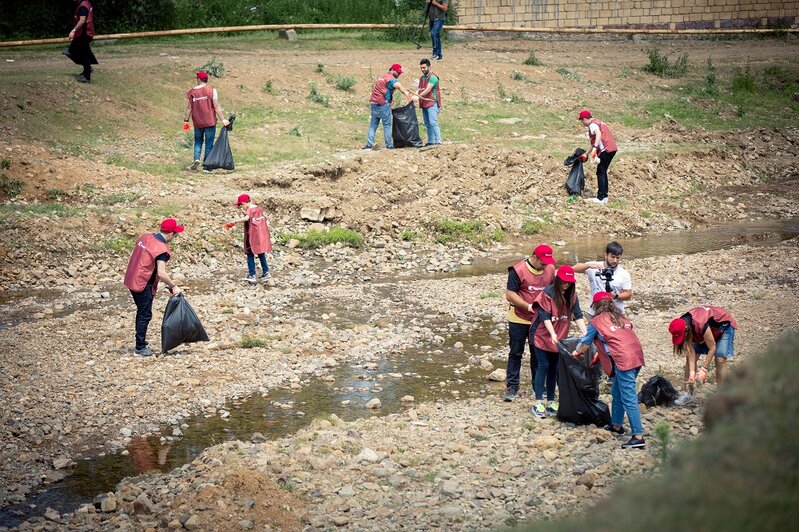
<point x="579" y="387"/>
<point x="181" y="325"/>
<point x="221" y="156"/>
<point x="405" y="127"/>
<point x="575" y="183"/>
<point x="657" y="391"/>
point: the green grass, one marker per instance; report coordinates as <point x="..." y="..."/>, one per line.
<point x="118" y="245"/>
<point x="38" y="209"/>
<point x="10" y="187"/>
<point x="344" y="83"/>
<point x="533" y="227"/>
<point x="476" y="231"/>
<point x="618" y="203"/>
<point x="532" y="60"/>
<point x="408" y="235"/>
<point x="248" y="342"/>
<point x="490" y="295"/>
<point x="521" y="76"/>
<point x="55" y="194"/>
<point x="660" y="65"/>
<point x="118" y="197"/>
<point x="568" y="74"/>
<point x="268" y="87"/>
<point x="317" y="97"/>
<point x="316" y="239"/>
<point x="213" y="67"/>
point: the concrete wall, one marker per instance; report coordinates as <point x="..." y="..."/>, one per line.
<point x="665" y="14"/>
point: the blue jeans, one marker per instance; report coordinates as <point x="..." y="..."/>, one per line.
<point x="625" y="400"/>
<point x="547" y="370"/>
<point x="435" y="36"/>
<point x="380" y="112"/>
<point x="251" y="262"/>
<point x="200" y="134"/>
<point x="430" y="116"/>
<point x="725" y="347"/>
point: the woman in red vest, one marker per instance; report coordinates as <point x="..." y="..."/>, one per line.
<point x="82" y="33"/>
<point x="622" y="358"/>
<point x="603" y="146"/>
<point x="708" y="331"/>
<point x="554" y="310"/>
<point x="257" y="240"/>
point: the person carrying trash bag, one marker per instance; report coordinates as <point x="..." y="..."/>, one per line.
<point x="257" y="240"/>
<point x="181" y="325"/>
<point x="146" y="267"/>
<point x="380" y="105"/>
<point x="622" y="357"/>
<point x="221" y="156"/>
<point x="708" y="331"/>
<point x="554" y="309"/>
<point x="578" y="386"/>
<point x="203" y="109"/>
<point x="575" y="182"/>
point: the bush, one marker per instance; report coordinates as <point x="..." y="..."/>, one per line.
<point x="248" y="342"/>
<point x="532" y="227"/>
<point x="10" y="187"/>
<point x="213" y="68"/>
<point x="569" y="74"/>
<point x="317" y="97"/>
<point x="448" y="230"/>
<point x="532" y="60"/>
<point x="345" y="83"/>
<point x="56" y="193"/>
<point x="268" y="87"/>
<point x="521" y="76"/>
<point x="711" y="82"/>
<point x="744" y="81"/>
<point x="660" y="65"/>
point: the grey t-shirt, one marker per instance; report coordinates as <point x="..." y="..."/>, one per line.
<point x="436" y="13"/>
<point x="621" y="281"/>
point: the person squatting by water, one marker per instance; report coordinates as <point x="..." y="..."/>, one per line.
<point x="708" y="331"/>
<point x="257" y="240"/>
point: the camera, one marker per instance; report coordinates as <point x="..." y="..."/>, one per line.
<point x="606" y="274"/>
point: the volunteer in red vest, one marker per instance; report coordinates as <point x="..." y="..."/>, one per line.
<point x="526" y="279"/>
<point x="203" y="108"/>
<point x="257" y="240"/>
<point x="146" y="267"/>
<point x="429" y="93"/>
<point x="622" y="358"/>
<point x="701" y="335"/>
<point x="80" y="50"/>
<point x="554" y="309"/>
<point x="380" y="100"/>
<point x="603" y="146"/>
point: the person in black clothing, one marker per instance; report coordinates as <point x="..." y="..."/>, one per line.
<point x="82" y="33"/>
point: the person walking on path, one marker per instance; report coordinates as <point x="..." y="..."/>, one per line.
<point x="146" y="267"/>
<point x="608" y="274"/>
<point x="429" y="93"/>
<point x="603" y="145"/>
<point x="80" y="50"/>
<point x="203" y="108"/>
<point x="257" y="240"/>
<point x="437" y="16"/>
<point x="622" y="358"/>
<point x="554" y="310"/>
<point x="708" y="331"/>
<point x="526" y="279"/>
<point x="380" y="103"/>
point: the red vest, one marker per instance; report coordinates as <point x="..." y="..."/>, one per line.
<point x="202" y="106"/>
<point x="715" y="316"/>
<point x="141" y="264"/>
<point x="625" y="348"/>
<point x="608" y="141"/>
<point x="531" y="285"/>
<point x="428" y="102"/>
<point x="88" y="26"/>
<point x="560" y="322"/>
<point x="380" y="89"/>
<point x="257" y="236"/>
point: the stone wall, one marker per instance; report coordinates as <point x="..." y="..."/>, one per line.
<point x="653" y="14"/>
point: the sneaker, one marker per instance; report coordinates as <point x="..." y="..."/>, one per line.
<point x="265" y="277"/>
<point x="603" y="201"/>
<point x="614" y="430"/>
<point x="510" y="394"/>
<point x="83" y="79"/>
<point x="207" y="171"/>
<point x="539" y="409"/>
<point x="552" y="409"/>
<point x="143" y="352"/>
<point x="250" y="279"/>
<point x="634" y="443"/>
<point x="366" y="147"/>
<point x="195" y="165"/>
<point x="683" y="398"/>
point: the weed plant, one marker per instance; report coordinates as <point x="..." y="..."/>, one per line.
<point x="118" y="245"/>
<point x="268" y="87"/>
<point x="408" y="235"/>
<point x="711" y="82"/>
<point x="214" y="68"/>
<point x="10" y="187"/>
<point x="320" y="68"/>
<point x="568" y="74"/>
<point x="55" y="193"/>
<point x="317" y="97"/>
<point x="533" y="227"/>
<point x="521" y="76"/>
<point x="532" y="60"/>
<point x="248" y="342"/>
<point x="317" y="239"/>
<point x="743" y="81"/>
<point x="5" y="164"/>
<point x="660" y="65"/>
<point x="344" y="83"/>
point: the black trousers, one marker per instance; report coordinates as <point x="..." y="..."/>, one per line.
<point x="517" y="339"/>
<point x="144" y="313"/>
<point x="81" y="53"/>
<point x="602" y="174"/>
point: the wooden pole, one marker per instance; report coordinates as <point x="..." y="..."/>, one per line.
<point x="487" y="29"/>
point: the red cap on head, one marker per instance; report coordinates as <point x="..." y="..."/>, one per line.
<point x="170" y="225"/>
<point x="396" y="67"/>
<point x="244" y="198"/>
<point x="544" y="254"/>
<point x="566" y="273"/>
<point x="601" y="296"/>
<point x="202" y="76"/>
<point x="585" y="113"/>
<point x="677" y="328"/>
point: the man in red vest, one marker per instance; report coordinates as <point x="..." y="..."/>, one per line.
<point x="526" y="279"/>
<point x="430" y="101"/>
<point x="603" y="146"/>
<point x="380" y="104"/>
<point x="146" y="267"/>
<point x="203" y="109"/>
<point x="81" y="36"/>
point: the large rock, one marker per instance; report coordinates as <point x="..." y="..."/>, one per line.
<point x="373" y="403"/>
<point x="143" y="505"/>
<point x="498" y="375"/>
<point x="290" y="35"/>
<point x="367" y="455"/>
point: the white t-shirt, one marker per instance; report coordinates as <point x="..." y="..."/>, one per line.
<point x="215" y="95"/>
<point x="593" y="130"/>
<point x="621" y="281"/>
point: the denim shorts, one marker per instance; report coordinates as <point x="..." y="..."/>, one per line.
<point x="725" y="346"/>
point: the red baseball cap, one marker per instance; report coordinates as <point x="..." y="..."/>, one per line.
<point x="677" y="328"/>
<point x="544" y="254"/>
<point x="202" y="76"/>
<point x="566" y="273"/>
<point x="396" y="67"/>
<point x="585" y="113"/>
<point x="170" y="225"/>
<point x="601" y="296"/>
<point x="244" y="198"/>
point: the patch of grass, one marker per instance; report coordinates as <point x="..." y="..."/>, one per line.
<point x="568" y="74"/>
<point x="618" y="203"/>
<point x="533" y="227"/>
<point x="503" y="95"/>
<point x="118" y="197"/>
<point x="248" y="342"/>
<point x="118" y="245"/>
<point x="476" y="231"/>
<point x="10" y="187"/>
<point x="213" y="68"/>
<point x="56" y="193"/>
<point x="521" y="76"/>
<point x="315" y="239"/>
<point x="344" y="83"/>
<point x="532" y="60"/>
<point x="5" y="164"/>
<point x="317" y="97"/>
<point x="711" y="81"/>
<point x="625" y="72"/>
<point x="497" y="234"/>
<point x="489" y="295"/>
<point x="645" y="214"/>
<point x="661" y="66"/>
<point x="295" y="131"/>
<point x="40" y="209"/>
<point x="408" y="235"/>
<point x="268" y="87"/>
<point x="743" y="81"/>
<point x="320" y="68"/>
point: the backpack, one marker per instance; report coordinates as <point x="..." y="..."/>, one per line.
<point x="657" y="391"/>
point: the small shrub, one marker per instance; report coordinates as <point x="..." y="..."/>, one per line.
<point x="268" y="87"/>
<point x="5" y="164"/>
<point x="316" y="239"/>
<point x="532" y="60"/>
<point x="503" y="95"/>
<point x="407" y="235"/>
<point x="295" y="131"/>
<point x="663" y="435"/>
<point x="344" y="83"/>
<point x="532" y="227"/>
<point x="660" y="65"/>
<point x="489" y="295"/>
<point x="497" y="234"/>
<point x="55" y="193"/>
<point x="521" y="76"/>
<point x="118" y="197"/>
<point x="711" y="82"/>
<point x="320" y="68"/>
<point x="617" y="203"/>
<point x="10" y="187"/>
<point x="448" y="230"/>
<point x="645" y="214"/>
<point x="213" y="68"/>
<point x="317" y="97"/>
<point x="743" y="81"/>
<point x="187" y="141"/>
<point x="569" y="74"/>
<point x="515" y="98"/>
<point x="248" y="342"/>
<point x="118" y="245"/>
